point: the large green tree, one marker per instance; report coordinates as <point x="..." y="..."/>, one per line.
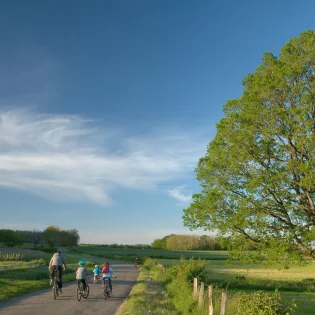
<point x="258" y="175"/>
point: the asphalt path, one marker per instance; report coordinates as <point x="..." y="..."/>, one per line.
<point x="43" y="303"/>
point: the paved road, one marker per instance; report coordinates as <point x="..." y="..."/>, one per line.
<point x="42" y="302"/>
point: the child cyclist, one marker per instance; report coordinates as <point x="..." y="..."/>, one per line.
<point x="81" y="274"/>
<point x="108" y="274"/>
<point x="96" y="272"/>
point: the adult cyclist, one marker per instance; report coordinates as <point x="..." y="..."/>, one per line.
<point x="56" y="263"/>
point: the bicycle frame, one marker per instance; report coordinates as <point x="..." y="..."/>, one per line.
<point x="106" y="288"/>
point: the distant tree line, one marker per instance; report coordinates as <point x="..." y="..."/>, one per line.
<point x="52" y="236"/>
<point x="188" y="242"/>
<point x="136" y="246"/>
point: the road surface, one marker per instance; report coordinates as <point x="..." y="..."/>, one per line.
<point x="42" y="302"/>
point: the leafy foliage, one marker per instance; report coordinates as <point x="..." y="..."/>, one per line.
<point x="180" y="285"/>
<point x="257" y="178"/>
<point x="55" y="236"/>
<point x="11" y="238"/>
<point x="263" y="303"/>
<point x="188" y="269"/>
<point x="187" y="242"/>
<point x="52" y="235"/>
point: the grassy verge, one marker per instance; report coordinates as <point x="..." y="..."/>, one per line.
<point x="296" y="283"/>
<point x="148" y="296"/>
<point x="18" y="278"/>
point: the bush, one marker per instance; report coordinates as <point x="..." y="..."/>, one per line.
<point x="181" y="294"/>
<point x="188" y="270"/>
<point x="263" y="303"/>
<point x="180" y="284"/>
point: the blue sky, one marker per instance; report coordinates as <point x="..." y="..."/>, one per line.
<point x="106" y="106"/>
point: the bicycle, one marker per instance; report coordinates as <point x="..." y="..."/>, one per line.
<point x="106" y="288"/>
<point x="81" y="293"/>
<point x="96" y="279"/>
<point x="55" y="285"/>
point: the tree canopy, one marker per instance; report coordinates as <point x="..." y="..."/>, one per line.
<point x="52" y="235"/>
<point x="258" y="175"/>
<point x="186" y="242"/>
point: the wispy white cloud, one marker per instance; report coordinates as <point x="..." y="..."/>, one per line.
<point x="69" y="157"/>
<point x="180" y="194"/>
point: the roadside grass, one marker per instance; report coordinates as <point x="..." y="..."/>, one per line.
<point x="297" y="283"/>
<point x="153" y="295"/>
<point x="148" y="296"/>
<point x="17" y="278"/>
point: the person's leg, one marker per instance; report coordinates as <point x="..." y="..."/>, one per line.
<point x="84" y="284"/>
<point x="110" y="284"/>
<point x="51" y="272"/>
<point x="59" y="277"/>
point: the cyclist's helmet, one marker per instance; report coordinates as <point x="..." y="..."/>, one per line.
<point x="96" y="266"/>
<point x="81" y="262"/>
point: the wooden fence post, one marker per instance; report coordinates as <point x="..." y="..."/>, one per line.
<point x="210" y="299"/>
<point x="223" y="303"/>
<point x="195" y="287"/>
<point x="201" y="293"/>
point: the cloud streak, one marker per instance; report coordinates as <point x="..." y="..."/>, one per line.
<point x="179" y="194"/>
<point x="70" y="158"/>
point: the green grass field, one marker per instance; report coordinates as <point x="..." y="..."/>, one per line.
<point x="20" y="277"/>
<point x="153" y="253"/>
<point x="295" y="283"/>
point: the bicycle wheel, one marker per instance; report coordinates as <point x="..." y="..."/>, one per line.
<point x="57" y="288"/>
<point x="87" y="291"/>
<point x="106" y="293"/>
<point x="56" y="293"/>
<point x="78" y="294"/>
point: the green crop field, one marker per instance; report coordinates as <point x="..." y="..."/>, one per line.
<point x="153" y="253"/>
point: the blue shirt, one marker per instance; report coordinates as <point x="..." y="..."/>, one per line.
<point x="97" y="271"/>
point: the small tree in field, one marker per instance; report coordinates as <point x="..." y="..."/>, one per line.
<point x="258" y="176"/>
